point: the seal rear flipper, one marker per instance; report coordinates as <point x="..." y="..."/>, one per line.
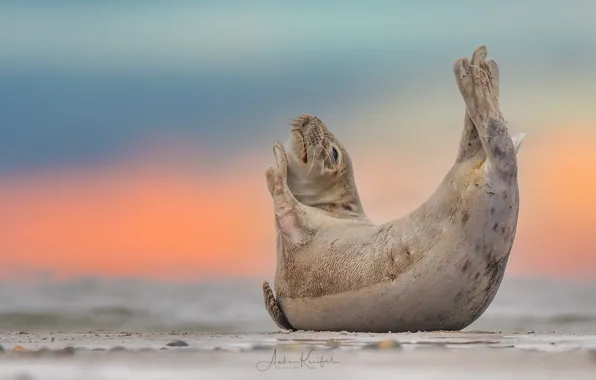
<point x="273" y="308"/>
<point x="478" y="84"/>
<point x="517" y="141"/>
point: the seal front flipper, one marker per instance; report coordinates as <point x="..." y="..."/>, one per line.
<point x="290" y="215"/>
<point x="273" y="308"/>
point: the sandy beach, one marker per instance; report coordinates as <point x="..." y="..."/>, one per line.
<point x="176" y="355"/>
<point x="100" y="329"/>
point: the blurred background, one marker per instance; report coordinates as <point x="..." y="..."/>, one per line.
<point x="134" y="138"/>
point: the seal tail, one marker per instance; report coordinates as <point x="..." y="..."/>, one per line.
<point x="274" y="310"/>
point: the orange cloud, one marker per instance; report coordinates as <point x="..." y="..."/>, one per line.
<point x="557" y="222"/>
<point x="146" y="219"/>
<point x="138" y="221"/>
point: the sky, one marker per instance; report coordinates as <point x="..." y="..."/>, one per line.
<point x="134" y="136"/>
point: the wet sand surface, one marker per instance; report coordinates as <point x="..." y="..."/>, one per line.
<point x="182" y="355"/>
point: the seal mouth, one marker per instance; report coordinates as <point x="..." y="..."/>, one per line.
<point x="304" y="148"/>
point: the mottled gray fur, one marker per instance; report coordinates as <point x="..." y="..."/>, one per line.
<point x="437" y="268"/>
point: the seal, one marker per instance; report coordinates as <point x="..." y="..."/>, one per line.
<point x="436" y="268"/>
<point x="320" y="175"/>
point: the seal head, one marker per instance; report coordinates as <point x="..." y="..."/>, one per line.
<point x="320" y="170"/>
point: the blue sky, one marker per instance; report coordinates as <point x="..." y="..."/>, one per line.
<point x="104" y="105"/>
<point x="86" y="81"/>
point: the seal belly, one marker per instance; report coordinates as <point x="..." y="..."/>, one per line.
<point x="448" y="289"/>
<point x="412" y="302"/>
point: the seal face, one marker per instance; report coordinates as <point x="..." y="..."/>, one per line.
<point x="438" y="267"/>
<point x="320" y="171"/>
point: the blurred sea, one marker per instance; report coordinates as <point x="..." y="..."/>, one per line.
<point x="540" y="305"/>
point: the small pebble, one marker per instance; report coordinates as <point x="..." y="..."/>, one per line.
<point x="98" y="349"/>
<point x="369" y="346"/>
<point x="177" y="343"/>
<point x="291" y="346"/>
<point x="261" y="347"/>
<point x="1" y="349"/>
<point x="42" y="351"/>
<point x="19" y="348"/>
<point x="69" y="350"/>
<point x="117" y="348"/>
<point x="386" y="344"/>
<point x="433" y="346"/>
<point x="383" y="345"/>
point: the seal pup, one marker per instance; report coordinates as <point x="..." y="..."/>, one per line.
<point x="437" y="268"/>
<point x="320" y="175"/>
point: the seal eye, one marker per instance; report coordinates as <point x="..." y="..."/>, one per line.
<point x="335" y="154"/>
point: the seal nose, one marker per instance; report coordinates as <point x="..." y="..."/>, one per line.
<point x="314" y="135"/>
